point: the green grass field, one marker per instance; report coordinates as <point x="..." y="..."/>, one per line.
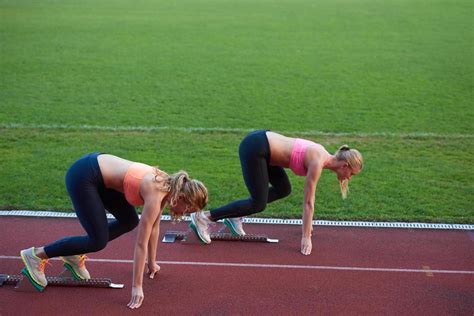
<point x="178" y="84"/>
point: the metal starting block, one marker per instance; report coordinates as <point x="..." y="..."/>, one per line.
<point x="172" y="236"/>
<point x="22" y="284"/>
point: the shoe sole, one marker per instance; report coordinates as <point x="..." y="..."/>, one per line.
<point x="40" y="287"/>
<point x="194" y="228"/>
<point x="36" y="285"/>
<point x="231" y="227"/>
<point x="75" y="275"/>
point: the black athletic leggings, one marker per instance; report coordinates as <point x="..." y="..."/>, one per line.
<point x="254" y="153"/>
<point x="90" y="199"/>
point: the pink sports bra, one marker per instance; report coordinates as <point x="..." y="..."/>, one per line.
<point x="297" y="156"/>
<point x="131" y="182"/>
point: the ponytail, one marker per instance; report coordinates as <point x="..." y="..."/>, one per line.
<point x="177" y="182"/>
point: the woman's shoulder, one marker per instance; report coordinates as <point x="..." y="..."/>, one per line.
<point x="156" y="178"/>
<point x="317" y="151"/>
<point x="153" y="185"/>
<point x="157" y="171"/>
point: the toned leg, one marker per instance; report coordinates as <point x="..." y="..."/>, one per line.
<point x="254" y="158"/>
<point x="83" y="185"/>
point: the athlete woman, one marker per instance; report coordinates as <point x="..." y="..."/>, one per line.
<point x="263" y="157"/>
<point x="99" y="182"/>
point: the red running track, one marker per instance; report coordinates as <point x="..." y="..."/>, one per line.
<point x="352" y="271"/>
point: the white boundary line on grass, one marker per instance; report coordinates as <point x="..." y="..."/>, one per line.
<point x="271" y="266"/>
<point x="277" y="221"/>
<point x="226" y="130"/>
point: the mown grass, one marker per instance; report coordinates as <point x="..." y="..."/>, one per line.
<point x="365" y="67"/>
<point x="340" y="66"/>
<point x="413" y="180"/>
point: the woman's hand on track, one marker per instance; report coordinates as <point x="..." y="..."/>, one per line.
<point x="137" y="298"/>
<point x="306" y="245"/>
<point x="152" y="269"/>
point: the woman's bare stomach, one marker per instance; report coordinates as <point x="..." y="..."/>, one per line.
<point x="280" y="149"/>
<point x="113" y="170"/>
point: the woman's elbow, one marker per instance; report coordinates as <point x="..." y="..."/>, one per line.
<point x="309" y="206"/>
<point x="140" y="246"/>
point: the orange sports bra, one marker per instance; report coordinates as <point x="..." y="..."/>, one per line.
<point x="131" y="182"/>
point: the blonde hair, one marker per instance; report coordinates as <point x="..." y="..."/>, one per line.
<point x="180" y="185"/>
<point x="354" y="159"/>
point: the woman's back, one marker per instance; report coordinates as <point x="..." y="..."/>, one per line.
<point x="282" y="150"/>
<point x="113" y="170"/>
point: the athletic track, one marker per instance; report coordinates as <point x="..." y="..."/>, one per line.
<point x="352" y="271"/>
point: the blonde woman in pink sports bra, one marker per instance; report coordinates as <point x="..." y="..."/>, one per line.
<point x="263" y="156"/>
<point x="98" y="182"/>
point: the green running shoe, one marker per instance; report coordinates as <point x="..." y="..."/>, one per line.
<point x="77" y="266"/>
<point x="235" y="226"/>
<point x="34" y="268"/>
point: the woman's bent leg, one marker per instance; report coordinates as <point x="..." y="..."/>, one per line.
<point x="281" y="186"/>
<point x="126" y="217"/>
<point x="83" y="184"/>
<point x="254" y="155"/>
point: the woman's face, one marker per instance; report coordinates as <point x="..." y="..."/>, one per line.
<point x="345" y="172"/>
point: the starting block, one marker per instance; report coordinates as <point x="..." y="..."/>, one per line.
<point x="172" y="236"/>
<point x="22" y="284"/>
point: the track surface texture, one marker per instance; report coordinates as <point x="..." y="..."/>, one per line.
<point x="351" y="271"/>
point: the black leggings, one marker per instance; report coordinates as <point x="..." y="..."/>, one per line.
<point x="90" y="199"/>
<point x="254" y="153"/>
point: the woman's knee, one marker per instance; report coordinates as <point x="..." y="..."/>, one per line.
<point x="124" y="226"/>
<point x="258" y="205"/>
<point x="284" y="191"/>
<point x="98" y="244"/>
<point x="131" y="224"/>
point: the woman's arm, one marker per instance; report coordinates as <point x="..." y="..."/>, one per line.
<point x="153" y="268"/>
<point x="151" y="211"/>
<point x="312" y="178"/>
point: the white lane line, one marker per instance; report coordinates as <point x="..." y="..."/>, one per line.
<point x="273" y="221"/>
<point x="225" y="130"/>
<point x="271" y="266"/>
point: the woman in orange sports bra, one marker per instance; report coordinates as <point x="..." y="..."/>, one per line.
<point x="98" y="182"/>
<point x="263" y="157"/>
